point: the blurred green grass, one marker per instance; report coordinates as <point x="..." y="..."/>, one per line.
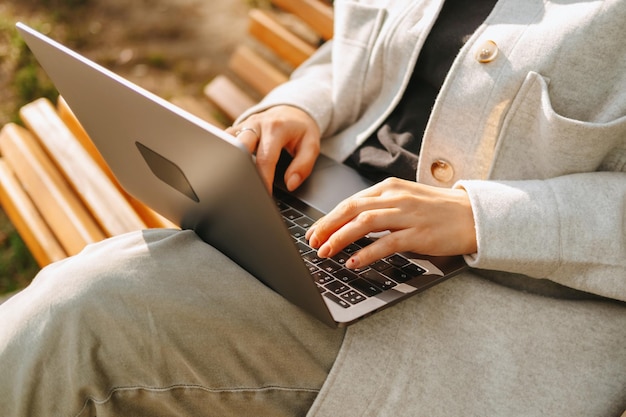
<point x="17" y="266"/>
<point x="21" y="81"/>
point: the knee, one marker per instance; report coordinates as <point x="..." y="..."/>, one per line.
<point x="103" y="274"/>
<point x="113" y="259"/>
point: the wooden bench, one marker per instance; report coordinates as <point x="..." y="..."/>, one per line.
<point x="54" y="185"/>
<point x="283" y="38"/>
<point x="57" y="190"/>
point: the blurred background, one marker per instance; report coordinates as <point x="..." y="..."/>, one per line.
<point x="170" y="47"/>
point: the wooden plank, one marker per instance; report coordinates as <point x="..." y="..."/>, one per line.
<point x="62" y="210"/>
<point x="315" y="13"/>
<point x="107" y="205"/>
<point x="290" y="49"/>
<point x="67" y="116"/>
<point x="256" y="70"/>
<point x="149" y="217"/>
<point x="227" y="96"/>
<point x="197" y="108"/>
<point x="278" y="38"/>
<point x="27" y="220"/>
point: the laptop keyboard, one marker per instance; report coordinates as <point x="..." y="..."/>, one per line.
<point x="344" y="286"/>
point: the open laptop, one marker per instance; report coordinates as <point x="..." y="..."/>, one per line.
<point x="202" y="178"/>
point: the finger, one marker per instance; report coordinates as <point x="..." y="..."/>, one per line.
<point x="381" y="248"/>
<point x="391" y="193"/>
<point x="249" y="136"/>
<point x="267" y="155"/>
<point x="302" y="164"/>
<point x="366" y="199"/>
<point x="345" y="212"/>
<point x="363" y="224"/>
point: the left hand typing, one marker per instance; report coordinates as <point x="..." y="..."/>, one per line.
<point x="420" y="218"/>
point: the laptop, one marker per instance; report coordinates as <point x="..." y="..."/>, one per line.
<point x="201" y="178"/>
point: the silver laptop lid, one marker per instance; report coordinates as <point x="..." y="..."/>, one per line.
<point x="186" y="169"/>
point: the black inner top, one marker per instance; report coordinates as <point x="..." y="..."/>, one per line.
<point x="394" y="148"/>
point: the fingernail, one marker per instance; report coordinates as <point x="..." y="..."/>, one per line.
<point x="293" y="182"/>
<point x="353" y="262"/>
<point x="314" y="243"/>
<point x="323" y="251"/>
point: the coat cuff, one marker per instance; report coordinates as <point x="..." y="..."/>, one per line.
<point x="517" y="227"/>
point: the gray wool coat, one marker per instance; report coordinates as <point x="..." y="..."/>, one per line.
<point x="531" y="121"/>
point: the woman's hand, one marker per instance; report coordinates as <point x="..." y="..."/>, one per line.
<point x="268" y="132"/>
<point x="420" y="218"/>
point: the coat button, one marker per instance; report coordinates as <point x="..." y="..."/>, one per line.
<point x="487" y="52"/>
<point x="442" y="171"/>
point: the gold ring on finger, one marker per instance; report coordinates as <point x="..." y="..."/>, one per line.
<point x="243" y="129"/>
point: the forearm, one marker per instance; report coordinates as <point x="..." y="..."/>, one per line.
<point x="569" y="229"/>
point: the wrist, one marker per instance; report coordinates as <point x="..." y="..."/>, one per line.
<point x="466" y="222"/>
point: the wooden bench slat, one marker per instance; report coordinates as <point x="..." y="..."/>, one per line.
<point x="150" y="218"/>
<point x="227" y="96"/>
<point x="256" y="70"/>
<point x="28" y="222"/>
<point x="278" y="38"/>
<point x="68" y="218"/>
<point x="192" y="106"/>
<point x="315" y="13"/>
<point x="290" y="50"/>
<point x="72" y="123"/>
<point x="108" y="206"/>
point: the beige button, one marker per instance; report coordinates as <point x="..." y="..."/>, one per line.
<point x="487" y="52"/>
<point x="442" y="171"/>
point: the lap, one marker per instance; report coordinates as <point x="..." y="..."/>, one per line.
<point x="470" y="346"/>
<point x="161" y="309"/>
<point x="160" y="317"/>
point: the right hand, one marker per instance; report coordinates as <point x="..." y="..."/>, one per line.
<point x="268" y="132"/>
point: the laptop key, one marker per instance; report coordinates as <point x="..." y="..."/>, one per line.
<point x="297" y="231"/>
<point x="413" y="270"/>
<point x="378" y="279"/>
<point x="311" y="267"/>
<point x="365" y="287"/>
<point x="351" y="248"/>
<point x="345" y="275"/>
<point x="312" y="257"/>
<point x="330" y="266"/>
<point x="337" y="287"/>
<point x="404" y="274"/>
<point x="343" y="303"/>
<point x="291" y="214"/>
<point x="397" y="260"/>
<point x="353" y="297"/>
<point x="398" y="275"/>
<point x="302" y="248"/>
<point x="380" y="265"/>
<point x="321" y="277"/>
<point x="341" y="258"/>
<point x="281" y="205"/>
<point x="304" y="222"/>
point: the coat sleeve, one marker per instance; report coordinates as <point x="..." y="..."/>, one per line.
<point x="570" y="229"/>
<point x="309" y="88"/>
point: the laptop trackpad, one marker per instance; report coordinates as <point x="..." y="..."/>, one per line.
<point x="329" y="183"/>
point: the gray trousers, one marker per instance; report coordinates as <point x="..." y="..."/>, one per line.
<point x="128" y="329"/>
<point x="157" y="323"/>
